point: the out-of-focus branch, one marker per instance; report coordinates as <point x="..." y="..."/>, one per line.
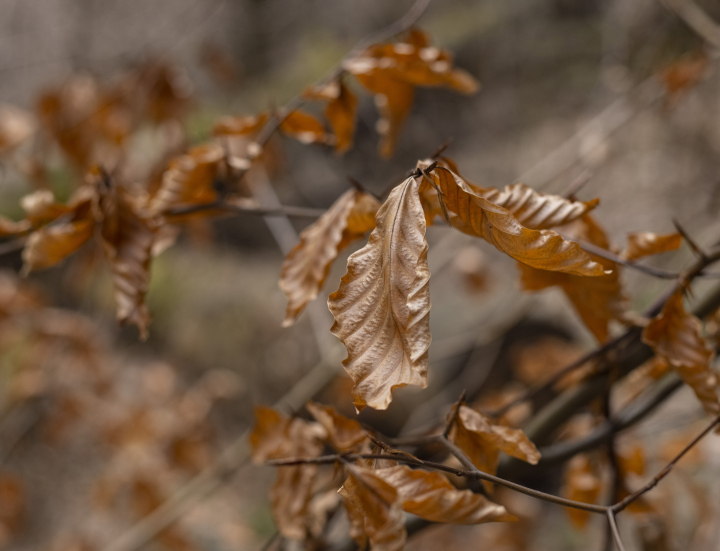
<point x="695" y="18"/>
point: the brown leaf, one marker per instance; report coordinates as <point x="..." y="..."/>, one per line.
<point x="189" y="179"/>
<point x="647" y="243"/>
<point x="430" y="495"/>
<point x="482" y="440"/>
<point x="581" y="483"/>
<point x="480" y="217"/>
<point x="304" y="128"/>
<point x="597" y="300"/>
<point x="340" y="111"/>
<point x="239" y="126"/>
<point x="16" y="125"/>
<point x="128" y="237"/>
<point x="51" y="244"/>
<point x="682" y="76"/>
<point x="382" y="306"/>
<point x="307" y="265"/>
<point x="675" y="335"/>
<point x="12" y="507"/>
<point x="390" y="71"/>
<point x="374" y="510"/>
<point x="344" y="434"/>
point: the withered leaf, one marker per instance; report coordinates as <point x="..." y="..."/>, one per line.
<point x="304" y="128"/>
<point x="340" y="111"/>
<point x="581" y="483"/>
<point x="675" y="336"/>
<point x="390" y="71"/>
<point x="128" y="237"/>
<point x="189" y="179"/>
<point x="374" y="510"/>
<point x="307" y="265"/>
<point x="597" y="300"/>
<point x="344" y="434"/>
<point x="16" y="125"/>
<point x="382" y="306"/>
<point x="647" y="243"/>
<point x="275" y="436"/>
<point x="240" y="126"/>
<point x="480" y="217"/>
<point x="430" y="495"/>
<point x="482" y="440"/>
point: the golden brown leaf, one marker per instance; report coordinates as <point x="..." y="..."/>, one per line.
<point x="478" y="216"/>
<point x="430" y="495"/>
<point x="482" y="440"/>
<point x="239" y="126"/>
<point x="51" y="244"/>
<point x="374" y="510"/>
<point x="128" y="238"/>
<point x="340" y="111"/>
<point x="304" y="128"/>
<point x="344" y="434"/>
<point x="307" y="265"/>
<point x="13" y="505"/>
<point x="382" y="306"/>
<point x="683" y="75"/>
<point x="390" y="71"/>
<point x="597" y="300"/>
<point x="675" y="336"/>
<point x="189" y="179"/>
<point x="581" y="483"/>
<point x="647" y="243"/>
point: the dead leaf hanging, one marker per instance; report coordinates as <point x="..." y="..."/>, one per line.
<point x="340" y="111"/>
<point x="304" y="128"/>
<point x="647" y="243"/>
<point x="382" y="306"/>
<point x="307" y="265"/>
<point x="344" y="434"/>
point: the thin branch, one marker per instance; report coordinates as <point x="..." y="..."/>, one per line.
<point x="666" y="470"/>
<point x="614" y="529"/>
<point x="453" y="415"/>
<point x="695" y="18"/>
<point x="696" y="249"/>
<point x="286" y="210"/>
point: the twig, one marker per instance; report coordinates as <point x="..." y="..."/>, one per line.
<point x="286" y="210"/>
<point x="696" y="249"/>
<point x="614" y="529"/>
<point x="453" y="414"/>
<point x="695" y="18"/>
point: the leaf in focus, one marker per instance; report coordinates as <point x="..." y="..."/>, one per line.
<point x="482" y="440"/>
<point x="430" y="495"/>
<point x="340" y="111"/>
<point x="344" y="434"/>
<point x="581" y="483"/>
<point x="304" y="128"/>
<point x="382" y="307"/>
<point x="128" y="237"/>
<point x="647" y="243"/>
<point x="477" y="216"/>
<point x="675" y="336"/>
<point x="374" y="510"/>
<point x="275" y="436"/>
<point x="189" y="179"/>
<point x="597" y="300"/>
<point x="307" y="265"/>
<point x="391" y="71"/>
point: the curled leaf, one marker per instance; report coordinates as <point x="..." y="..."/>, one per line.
<point x="344" y="434"/>
<point x="307" y="265"/>
<point x="647" y="243"/>
<point x="304" y="128"/>
<point x="382" y="306"/>
<point x="675" y="336"/>
<point x="340" y="111"/>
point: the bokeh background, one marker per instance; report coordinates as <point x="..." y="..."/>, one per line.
<point x="570" y="92"/>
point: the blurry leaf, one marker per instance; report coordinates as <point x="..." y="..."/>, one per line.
<point x="478" y="216"/>
<point x="675" y="335"/>
<point x="166" y="90"/>
<point x="471" y="265"/>
<point x="632" y="461"/>
<point x="41" y="208"/>
<point x="430" y="495"/>
<point x="597" y="300"/>
<point x="268" y="438"/>
<point x="340" y="111"/>
<point x="304" y="128"/>
<point x="128" y="238"/>
<point x="682" y="76"/>
<point x="239" y="126"/>
<point x="51" y="244"/>
<point x="390" y="71"/>
<point x="374" y="510"/>
<point x="12" y="507"/>
<point x="647" y="243"/>
<point x="482" y="440"/>
<point x="10" y="228"/>
<point x="344" y="434"/>
<point x="382" y="306"/>
<point x="581" y="483"/>
<point x="16" y="125"/>
<point x="189" y="179"/>
<point x="307" y="265"/>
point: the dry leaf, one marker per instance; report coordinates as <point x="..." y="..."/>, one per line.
<point x="16" y="125"/>
<point x="304" y="128"/>
<point x="581" y="483"/>
<point x="382" y="306"/>
<point x="478" y="216"/>
<point x="307" y="265"/>
<point x="682" y="76"/>
<point x="647" y="243"/>
<point x="597" y="300"/>
<point x="340" y="111"/>
<point x="239" y="126"/>
<point x="482" y="440"/>
<point x="344" y="434"/>
<point x="675" y="336"/>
